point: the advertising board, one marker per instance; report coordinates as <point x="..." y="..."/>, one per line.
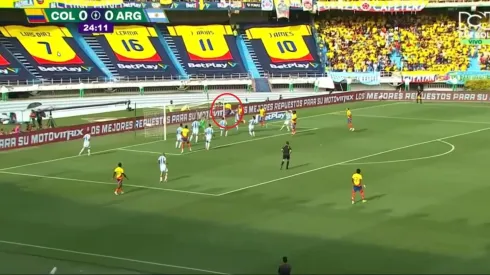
<point x="275" y="108"/>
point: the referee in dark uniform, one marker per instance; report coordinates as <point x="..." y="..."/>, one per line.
<point x="286" y="155"/>
<point x="284" y="268"/>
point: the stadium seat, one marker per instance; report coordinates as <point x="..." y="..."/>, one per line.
<point x="385" y="42"/>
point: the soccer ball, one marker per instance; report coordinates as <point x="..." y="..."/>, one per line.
<point x="352" y="129"/>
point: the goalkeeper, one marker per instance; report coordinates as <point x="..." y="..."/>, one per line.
<point x="202" y="124"/>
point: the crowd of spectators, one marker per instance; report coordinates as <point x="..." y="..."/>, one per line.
<point x="398" y="42"/>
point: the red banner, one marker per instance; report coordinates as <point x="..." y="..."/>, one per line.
<point x="429" y="96"/>
<point x="38" y="138"/>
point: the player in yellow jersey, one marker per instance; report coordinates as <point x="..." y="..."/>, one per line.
<point x="349" y="119"/>
<point x="185" y="139"/>
<point x="119" y="176"/>
<point x="262" y="114"/>
<point x="294" y="118"/>
<point x="357" y="186"/>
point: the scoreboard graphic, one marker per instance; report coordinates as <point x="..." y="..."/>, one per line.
<point x="95" y="20"/>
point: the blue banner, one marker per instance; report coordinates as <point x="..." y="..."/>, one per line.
<point x="462" y="77"/>
<point x="368" y="78"/>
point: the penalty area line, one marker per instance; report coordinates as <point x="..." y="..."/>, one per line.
<point x="109" y="183"/>
<point x="252" y="139"/>
<point x="351" y="160"/>
<point x="111" y="257"/>
<point x="155" y="141"/>
<point x="410" y="159"/>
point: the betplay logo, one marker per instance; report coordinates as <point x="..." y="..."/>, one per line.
<point x="149" y="67"/>
<point x="77" y="69"/>
<point x="212" y="65"/>
<point x="8" y="70"/>
<point x="295" y="66"/>
<point x="275" y="116"/>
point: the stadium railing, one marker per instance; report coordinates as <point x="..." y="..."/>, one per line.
<point x="120" y="79"/>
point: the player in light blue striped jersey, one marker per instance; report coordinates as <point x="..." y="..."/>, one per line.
<point x="162" y="161"/>
<point x="195" y="129"/>
<point x="223" y="125"/>
<point x="208" y="133"/>
<point x="179" y="136"/>
<point x="287" y="120"/>
<point x="251" y="126"/>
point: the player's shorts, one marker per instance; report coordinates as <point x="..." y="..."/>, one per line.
<point x="228" y="112"/>
<point x="208" y="138"/>
<point x="261" y="118"/>
<point x="349" y="120"/>
<point x="195" y="131"/>
<point x="286" y="157"/>
<point x="357" y="188"/>
<point x="419" y="97"/>
<point x="163" y="168"/>
<point x="185" y="139"/>
<point x="287" y="122"/>
<point x="250" y="128"/>
<point x="119" y="180"/>
<point x="179" y="137"/>
<point x="86" y="145"/>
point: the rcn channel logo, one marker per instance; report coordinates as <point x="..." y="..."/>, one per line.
<point x="474" y="27"/>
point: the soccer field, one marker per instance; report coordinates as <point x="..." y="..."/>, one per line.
<point x="231" y="210"/>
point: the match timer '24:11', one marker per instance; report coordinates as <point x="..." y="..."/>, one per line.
<point x="95" y="27"/>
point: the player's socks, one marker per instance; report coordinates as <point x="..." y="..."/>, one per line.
<point x="89" y="152"/>
<point x="81" y="151"/>
<point x="197" y="138"/>
<point x="226" y="133"/>
<point x="288" y="128"/>
<point x="287" y="164"/>
<point x="176" y="144"/>
<point x="161" y="178"/>
<point x="165" y="179"/>
<point x="282" y="164"/>
<point x="236" y="127"/>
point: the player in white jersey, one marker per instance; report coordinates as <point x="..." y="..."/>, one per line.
<point x="195" y="129"/>
<point x="179" y="136"/>
<point x="86" y="144"/>
<point x="209" y="132"/>
<point x="251" y="125"/>
<point x="162" y="161"/>
<point x="223" y="128"/>
<point x="287" y="121"/>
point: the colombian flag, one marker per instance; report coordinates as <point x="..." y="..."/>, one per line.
<point x="35" y="16"/>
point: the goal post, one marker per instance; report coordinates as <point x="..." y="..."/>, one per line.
<point x="155" y="122"/>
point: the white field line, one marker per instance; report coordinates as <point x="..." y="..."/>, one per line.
<point x="155" y="141"/>
<point x="351" y="160"/>
<point x="112" y="257"/>
<point x="406" y="160"/>
<point x="426" y="119"/>
<point x="224" y="145"/>
<point x="108" y="183"/>
<point x="76" y="156"/>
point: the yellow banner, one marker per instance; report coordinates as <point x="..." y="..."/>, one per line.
<point x="73" y="3"/>
<point x="374" y="6"/>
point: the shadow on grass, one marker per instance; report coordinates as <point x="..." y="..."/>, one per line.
<point x="361" y="130"/>
<point x="375" y="197"/>
<point x="298" y="166"/>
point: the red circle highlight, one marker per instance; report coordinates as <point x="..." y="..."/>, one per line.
<point x="240" y="104"/>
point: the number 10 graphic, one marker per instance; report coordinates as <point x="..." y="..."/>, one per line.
<point x="286" y="46"/>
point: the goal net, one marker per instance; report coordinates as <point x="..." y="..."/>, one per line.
<point x="155" y="123"/>
<point x="158" y="121"/>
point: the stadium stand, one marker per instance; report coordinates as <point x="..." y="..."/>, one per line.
<point x="362" y="43"/>
<point x="49" y="52"/>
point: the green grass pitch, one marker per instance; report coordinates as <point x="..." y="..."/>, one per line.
<point x="231" y="210"/>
